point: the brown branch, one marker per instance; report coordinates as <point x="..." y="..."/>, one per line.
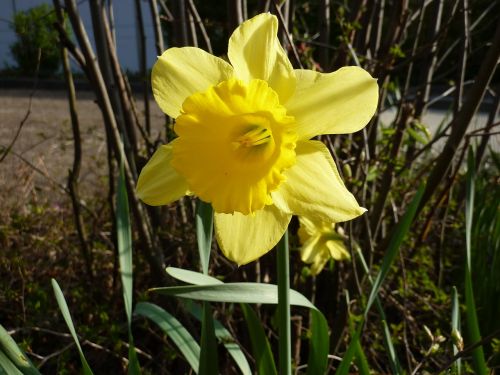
<point x="74" y="173"/>
<point x="463" y="118"/>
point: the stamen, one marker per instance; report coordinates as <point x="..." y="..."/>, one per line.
<point x="255" y="137"/>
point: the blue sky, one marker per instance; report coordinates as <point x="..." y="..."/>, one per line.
<point x="124" y="13"/>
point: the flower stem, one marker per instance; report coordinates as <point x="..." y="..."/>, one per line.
<point x="285" y="347"/>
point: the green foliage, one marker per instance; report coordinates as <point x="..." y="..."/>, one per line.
<point x="36" y="38"/>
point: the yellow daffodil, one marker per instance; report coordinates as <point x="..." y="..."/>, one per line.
<point x="320" y="242"/>
<point x="244" y="131"/>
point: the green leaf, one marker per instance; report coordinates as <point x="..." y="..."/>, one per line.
<point x="186" y="344"/>
<point x="208" y="288"/>
<point x="224" y="337"/>
<point x="63" y="306"/>
<point x="362" y="363"/>
<point x="192" y="277"/>
<point x="319" y="344"/>
<point x="478" y="359"/>
<point x="456" y="329"/>
<point x="204" y="229"/>
<point x="261" y="349"/>
<point x="15" y="354"/>
<point x="124" y="241"/>
<point x="208" y="355"/>
<point x="395" y="242"/>
<point x="417" y="136"/>
<point x="7" y="367"/>
<point x="283" y="311"/>
<point x="345" y="364"/>
<point x="389" y="346"/>
<point x="234" y="292"/>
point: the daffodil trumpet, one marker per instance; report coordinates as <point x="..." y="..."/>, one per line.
<point x="244" y="130"/>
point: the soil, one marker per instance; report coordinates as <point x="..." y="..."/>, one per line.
<point x="38" y="164"/>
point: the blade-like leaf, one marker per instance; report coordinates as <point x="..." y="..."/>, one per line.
<point x="225" y="337"/>
<point x="319" y="344"/>
<point x="186" y="344"/>
<point x="361" y="361"/>
<point x="15" y="354"/>
<point x="234" y="292"/>
<point x="478" y="359"/>
<point x="6" y="365"/>
<point x="456" y="329"/>
<point x="192" y="277"/>
<point x="395" y="242"/>
<point x="124" y="241"/>
<point x="261" y="349"/>
<point x="63" y="306"/>
<point x="397" y="238"/>
<point x="204" y="230"/>
<point x="391" y="352"/>
<point x="208" y="353"/>
<point x="207" y="288"/>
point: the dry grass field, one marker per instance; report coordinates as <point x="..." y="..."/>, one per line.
<point x="37" y="166"/>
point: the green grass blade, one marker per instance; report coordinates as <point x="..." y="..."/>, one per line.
<point x="186" y="344"/>
<point x="283" y="312"/>
<point x="124" y="241"/>
<point x="207" y="288"/>
<point x="395" y="242"/>
<point x="224" y="337"/>
<point x="192" y="277"/>
<point x="455" y="329"/>
<point x="15" y="354"/>
<point x="63" y="306"/>
<point x="208" y="353"/>
<point x="389" y="346"/>
<point x="471" y="314"/>
<point x="361" y="362"/>
<point x="6" y="365"/>
<point x="319" y="344"/>
<point x="234" y="292"/>
<point x="261" y="349"/>
<point x="392" y="250"/>
<point x="345" y="364"/>
<point x="204" y="230"/>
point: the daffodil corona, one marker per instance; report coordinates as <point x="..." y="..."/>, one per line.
<point x="244" y="133"/>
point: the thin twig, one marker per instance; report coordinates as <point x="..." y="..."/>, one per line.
<point x="28" y="111"/>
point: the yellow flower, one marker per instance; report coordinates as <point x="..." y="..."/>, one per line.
<point x="320" y="242"/>
<point x="244" y="133"/>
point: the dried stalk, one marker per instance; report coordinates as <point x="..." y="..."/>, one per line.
<point x="154" y="256"/>
<point x="141" y="50"/>
<point x="463" y="118"/>
<point x="194" y="12"/>
<point x="74" y="172"/>
<point x="155" y="17"/>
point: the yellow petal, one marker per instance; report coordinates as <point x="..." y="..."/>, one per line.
<point x="319" y="263"/>
<point x="181" y="72"/>
<point x="244" y="238"/>
<point x="255" y="52"/>
<point x="309" y="249"/>
<point x="234" y="142"/>
<point x="158" y="182"/>
<point x="337" y="250"/>
<point x="313" y="187"/>
<point x="335" y="103"/>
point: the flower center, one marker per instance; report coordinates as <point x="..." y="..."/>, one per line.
<point x="235" y="140"/>
<point x="255" y="137"/>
